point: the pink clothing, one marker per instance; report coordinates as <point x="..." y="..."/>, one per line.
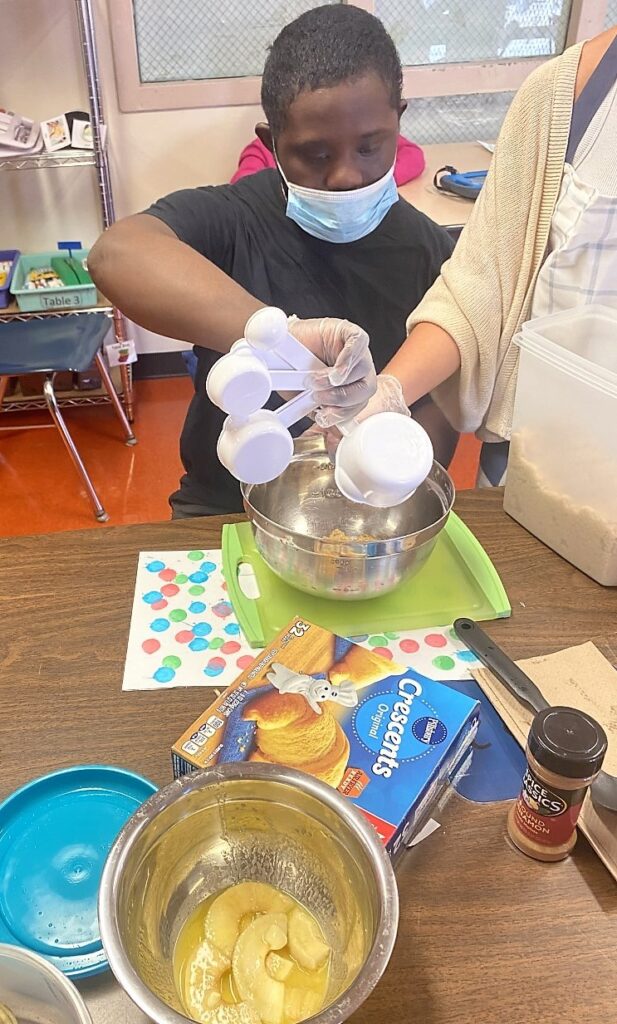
<point x="409" y="161"/>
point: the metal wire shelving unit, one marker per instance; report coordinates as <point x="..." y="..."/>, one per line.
<point x="97" y="158"/>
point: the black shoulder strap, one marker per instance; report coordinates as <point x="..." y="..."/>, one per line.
<point x="591" y="98"/>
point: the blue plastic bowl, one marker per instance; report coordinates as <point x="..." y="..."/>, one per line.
<point x="55" y="834"/>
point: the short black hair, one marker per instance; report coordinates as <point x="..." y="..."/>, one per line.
<point x="324" y="47"/>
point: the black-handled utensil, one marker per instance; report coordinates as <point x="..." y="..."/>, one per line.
<point x="604" y="787"/>
<point x="500" y="664"/>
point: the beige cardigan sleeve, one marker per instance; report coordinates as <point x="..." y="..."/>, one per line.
<point x="483" y="293"/>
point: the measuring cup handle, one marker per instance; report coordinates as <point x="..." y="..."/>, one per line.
<point x="267" y="331"/>
<point x="346" y="426"/>
<point x="296" y="409"/>
<point x="294" y="352"/>
<point x="272" y="359"/>
<point x="288" y="380"/>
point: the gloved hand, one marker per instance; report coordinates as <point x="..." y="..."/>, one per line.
<point x="344" y="388"/>
<point x="387" y="398"/>
<point x="331" y="435"/>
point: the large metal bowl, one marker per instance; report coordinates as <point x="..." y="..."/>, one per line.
<point x="294" y="515"/>
<point x="239" y="822"/>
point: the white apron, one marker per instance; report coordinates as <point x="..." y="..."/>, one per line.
<point x="581" y="265"/>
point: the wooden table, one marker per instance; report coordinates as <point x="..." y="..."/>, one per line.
<point x="442" y="208"/>
<point x="486" y="935"/>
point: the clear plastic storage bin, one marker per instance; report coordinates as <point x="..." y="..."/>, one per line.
<point x="562" y="471"/>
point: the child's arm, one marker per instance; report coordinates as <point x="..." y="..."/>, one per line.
<point x="410" y="161"/>
<point x="428" y="357"/>
<point x="253" y="158"/>
<point x="460" y="340"/>
<point x="164" y="285"/>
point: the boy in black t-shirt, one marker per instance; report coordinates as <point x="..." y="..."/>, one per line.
<point x="325" y="235"/>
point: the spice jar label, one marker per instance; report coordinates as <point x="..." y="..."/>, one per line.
<point x="548" y="816"/>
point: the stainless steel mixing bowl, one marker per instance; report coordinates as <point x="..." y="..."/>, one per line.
<point x="293" y="516"/>
<point x="233" y="823"/>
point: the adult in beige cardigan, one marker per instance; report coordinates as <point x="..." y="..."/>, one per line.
<point x="460" y="346"/>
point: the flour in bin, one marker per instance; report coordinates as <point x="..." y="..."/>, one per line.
<point x="579" y="532"/>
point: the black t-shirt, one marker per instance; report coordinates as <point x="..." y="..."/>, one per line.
<point x="243" y="228"/>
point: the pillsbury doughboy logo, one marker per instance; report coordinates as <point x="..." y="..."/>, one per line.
<point x="396" y="727"/>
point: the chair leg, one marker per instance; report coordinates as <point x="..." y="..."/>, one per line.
<point x="4" y="383"/>
<point x="120" y="333"/>
<point x="115" y="401"/>
<point x="54" y="409"/>
<point x="128" y="395"/>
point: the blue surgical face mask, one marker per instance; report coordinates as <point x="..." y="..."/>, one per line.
<point x="341" y="216"/>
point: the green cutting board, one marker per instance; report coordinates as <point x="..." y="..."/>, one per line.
<point x="458" y="580"/>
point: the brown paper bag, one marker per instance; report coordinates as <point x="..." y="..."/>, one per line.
<point x="580" y="677"/>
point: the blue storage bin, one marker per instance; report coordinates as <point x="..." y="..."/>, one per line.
<point x="6" y="255"/>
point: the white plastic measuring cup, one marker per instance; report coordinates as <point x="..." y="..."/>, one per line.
<point x="255" y="444"/>
<point x="259" y="448"/>
<point x="267" y="331"/>
<point x="380" y="461"/>
<point x="240" y="382"/>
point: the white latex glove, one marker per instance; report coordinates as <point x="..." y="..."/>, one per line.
<point x="387" y="398"/>
<point x="331" y="436"/>
<point x="343" y="389"/>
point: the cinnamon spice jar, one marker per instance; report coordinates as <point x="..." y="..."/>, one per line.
<point x="565" y="751"/>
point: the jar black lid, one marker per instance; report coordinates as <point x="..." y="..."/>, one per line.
<point x="567" y="742"/>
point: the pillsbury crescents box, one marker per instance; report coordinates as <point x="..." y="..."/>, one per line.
<point x="386" y="737"/>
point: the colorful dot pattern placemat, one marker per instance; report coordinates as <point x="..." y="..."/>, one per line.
<point x="183" y="628"/>
<point x="437" y="652"/>
<point x="184" y="632"/>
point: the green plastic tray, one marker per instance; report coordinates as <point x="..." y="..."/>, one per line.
<point x="458" y="579"/>
<point x="77" y="296"/>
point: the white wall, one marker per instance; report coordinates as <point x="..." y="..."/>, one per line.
<point x="151" y="153"/>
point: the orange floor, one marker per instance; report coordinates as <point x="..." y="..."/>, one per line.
<point x="40" y="491"/>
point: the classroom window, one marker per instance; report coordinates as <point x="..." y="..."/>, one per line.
<point x="611" y="14"/>
<point x="193" y="40"/>
<point x="464" y="118"/>
<point x="178" y="54"/>
<point x="462" y="31"/>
